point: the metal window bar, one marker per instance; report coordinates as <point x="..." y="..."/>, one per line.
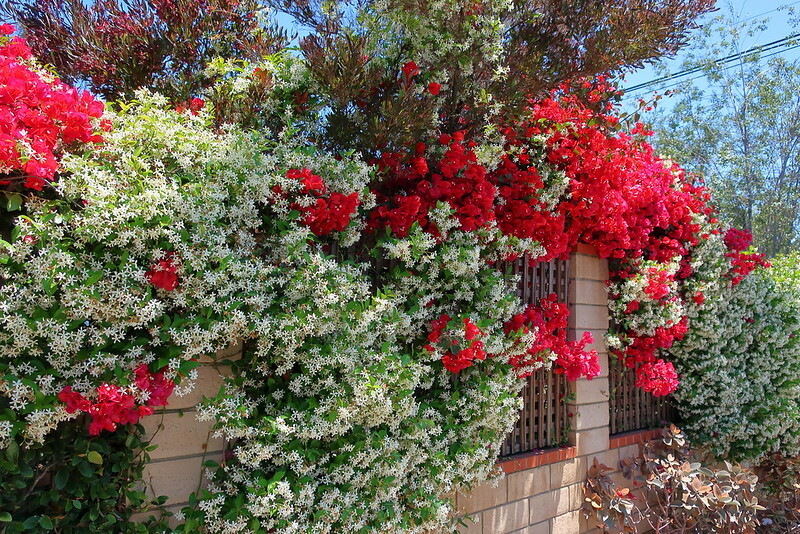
<point x="542" y="422"/>
<point x="631" y="408"/>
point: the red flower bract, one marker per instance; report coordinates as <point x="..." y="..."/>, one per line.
<point x="115" y="406"/>
<point x="163" y="274"/>
<point x="46" y="115"/>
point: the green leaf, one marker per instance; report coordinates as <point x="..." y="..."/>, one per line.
<point x="61" y="478"/>
<point x="12" y="452"/>
<point x="86" y="469"/>
<point x="95" y="457"/>
<point x="5" y="517"/>
<point x="14" y="202"/>
<point x="94" y="278"/>
<point x="46" y="523"/>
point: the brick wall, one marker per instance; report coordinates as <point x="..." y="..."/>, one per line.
<point x="541" y="492"/>
<point x="184" y="443"/>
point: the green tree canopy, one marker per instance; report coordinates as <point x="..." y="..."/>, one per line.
<point x="738" y="126"/>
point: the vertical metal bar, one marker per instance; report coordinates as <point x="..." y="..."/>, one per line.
<point x="552" y="438"/>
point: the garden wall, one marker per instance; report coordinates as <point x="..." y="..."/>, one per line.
<point x="541" y="492"/>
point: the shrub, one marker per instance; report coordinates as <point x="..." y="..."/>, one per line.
<point x="678" y="493"/>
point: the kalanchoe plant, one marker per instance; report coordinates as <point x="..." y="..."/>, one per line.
<point x="677" y="493"/>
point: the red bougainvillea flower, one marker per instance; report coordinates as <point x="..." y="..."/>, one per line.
<point x="116" y="406"/>
<point x="434" y="88"/>
<point x="410" y="70"/>
<point x="330" y="213"/>
<point x="74" y="401"/>
<point x="164" y="274"/>
<point x="549" y="321"/>
<point x="158" y="387"/>
<point x="311" y="182"/>
<point x="738" y="240"/>
<point x="456" y="360"/>
<point x="39" y="117"/>
<point x="658" y="378"/>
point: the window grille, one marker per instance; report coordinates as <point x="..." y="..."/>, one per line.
<point x="543" y="420"/>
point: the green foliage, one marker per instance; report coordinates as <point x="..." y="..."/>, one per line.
<point x="74" y="483"/>
<point x="740" y="370"/>
<point x="736" y="125"/>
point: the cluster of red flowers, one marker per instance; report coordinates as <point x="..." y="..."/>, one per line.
<point x="194" y="106"/>
<point x="641" y="356"/>
<point x="44" y="115"/>
<point x="114" y="406"/>
<point x="456" y="358"/>
<point x="549" y="321"/>
<point x="742" y="263"/>
<point x="331" y="212"/>
<point x="622" y="198"/>
<point x="659" y="378"/>
<point x="164" y="274"/>
<point x="413" y="185"/>
<point x="738" y="240"/>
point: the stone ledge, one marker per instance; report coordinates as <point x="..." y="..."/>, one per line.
<point x="633" y="438"/>
<point x="529" y="460"/>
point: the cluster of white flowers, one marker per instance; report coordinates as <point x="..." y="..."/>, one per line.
<point x="739" y="363"/>
<point x="337" y="414"/>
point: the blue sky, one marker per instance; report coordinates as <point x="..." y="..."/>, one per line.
<point x="777" y="27"/>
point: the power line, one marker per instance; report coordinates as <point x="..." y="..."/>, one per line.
<point x="785" y="41"/>
<point x="630" y="95"/>
<point x="765" y="12"/>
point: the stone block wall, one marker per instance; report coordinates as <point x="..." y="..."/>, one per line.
<point x="541" y="492"/>
<point x="184" y="443"/>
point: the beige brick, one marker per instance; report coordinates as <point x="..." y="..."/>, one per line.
<point x="568" y="472"/>
<point x="591" y="441"/>
<point x="538" y="528"/>
<point x="590" y="415"/>
<point x="178" y="434"/>
<point x="176" y="478"/>
<point x="506" y="518"/>
<point x="588" y="292"/>
<point x="208" y="383"/>
<point x="589" y="525"/>
<point x="569" y="523"/>
<point x="591" y="391"/>
<point x="482" y="497"/>
<point x="547" y="505"/>
<point x="575" y="496"/>
<point x="588" y="317"/>
<point x="523" y="484"/>
<point x="472" y="524"/>
<point x="589" y="268"/>
<point x="609" y="458"/>
<point x="629" y="451"/>
<point x="232" y="352"/>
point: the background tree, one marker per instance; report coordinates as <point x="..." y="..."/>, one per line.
<point x="116" y="46"/>
<point x="738" y="126"/>
<point x="388" y="72"/>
